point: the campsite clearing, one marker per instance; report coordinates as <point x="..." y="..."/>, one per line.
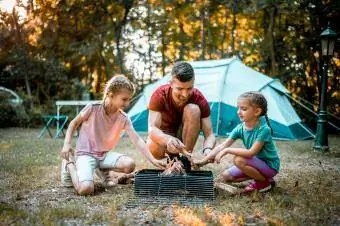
<point x="307" y="191"/>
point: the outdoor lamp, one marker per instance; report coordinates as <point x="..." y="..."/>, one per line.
<point x="328" y="37"/>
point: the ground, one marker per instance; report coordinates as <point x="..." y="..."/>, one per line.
<point x="307" y="191"/>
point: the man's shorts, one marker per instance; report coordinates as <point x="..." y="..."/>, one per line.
<point x="87" y="164"/>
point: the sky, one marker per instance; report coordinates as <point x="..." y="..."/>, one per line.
<point x="7" y="6"/>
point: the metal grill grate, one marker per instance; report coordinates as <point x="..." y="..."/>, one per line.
<point x="196" y="187"/>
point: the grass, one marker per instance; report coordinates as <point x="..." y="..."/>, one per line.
<point x="307" y="191"/>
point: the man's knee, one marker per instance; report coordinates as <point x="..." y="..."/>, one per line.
<point x="191" y="111"/>
<point x="155" y="149"/>
<point x="125" y="164"/>
<point x="239" y="161"/>
<point x="86" y="188"/>
<point x="157" y="154"/>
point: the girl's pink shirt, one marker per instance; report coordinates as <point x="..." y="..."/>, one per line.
<point x="99" y="133"/>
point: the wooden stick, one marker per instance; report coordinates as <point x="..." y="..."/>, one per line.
<point x="187" y="154"/>
<point x="226" y="187"/>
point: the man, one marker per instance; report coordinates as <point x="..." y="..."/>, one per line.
<point x="177" y="113"/>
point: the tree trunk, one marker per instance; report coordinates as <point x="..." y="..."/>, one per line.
<point x="233" y="29"/>
<point x="202" y="57"/>
<point x="163" y="33"/>
<point x="24" y="53"/>
<point x="119" y="27"/>
<point x="211" y="43"/>
<point x="163" y="51"/>
<point x="224" y="35"/>
<point x="149" y="33"/>
<point x="271" y="44"/>
<point x="119" y="55"/>
<point x="181" y="38"/>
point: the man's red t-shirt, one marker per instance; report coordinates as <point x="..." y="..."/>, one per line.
<point x="161" y="101"/>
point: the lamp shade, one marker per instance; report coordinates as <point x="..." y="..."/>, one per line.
<point x="328" y="37"/>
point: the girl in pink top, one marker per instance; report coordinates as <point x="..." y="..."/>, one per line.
<point x="101" y="127"/>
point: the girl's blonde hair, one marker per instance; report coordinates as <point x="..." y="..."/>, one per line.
<point x="257" y="99"/>
<point x="116" y="83"/>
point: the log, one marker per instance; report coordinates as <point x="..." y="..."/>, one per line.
<point x="226" y="187"/>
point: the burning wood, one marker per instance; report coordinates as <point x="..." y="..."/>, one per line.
<point x="194" y="165"/>
<point x="174" y="167"/>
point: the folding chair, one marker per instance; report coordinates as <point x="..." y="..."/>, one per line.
<point x="50" y="120"/>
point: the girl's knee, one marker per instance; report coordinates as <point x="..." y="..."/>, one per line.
<point x="86" y="188"/>
<point x="126" y="164"/>
<point x="227" y="177"/>
<point x="130" y="166"/>
<point x="239" y="161"/>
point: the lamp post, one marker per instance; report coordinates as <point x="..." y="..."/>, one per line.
<point x="327" y="48"/>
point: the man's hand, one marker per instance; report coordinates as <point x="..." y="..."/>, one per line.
<point x="160" y="164"/>
<point x="174" y="146"/>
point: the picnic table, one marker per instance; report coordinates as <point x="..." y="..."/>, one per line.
<point x="61" y="119"/>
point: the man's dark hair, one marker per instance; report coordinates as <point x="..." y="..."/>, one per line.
<point x="183" y="71"/>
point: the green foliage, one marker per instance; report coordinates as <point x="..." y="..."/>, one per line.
<point x="63" y="47"/>
<point x="11" y="116"/>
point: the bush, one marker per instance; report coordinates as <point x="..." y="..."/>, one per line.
<point x="12" y="116"/>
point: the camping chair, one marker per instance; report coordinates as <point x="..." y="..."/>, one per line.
<point x="50" y="120"/>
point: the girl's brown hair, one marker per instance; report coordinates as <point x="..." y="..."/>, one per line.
<point x="257" y="99"/>
<point x="116" y="83"/>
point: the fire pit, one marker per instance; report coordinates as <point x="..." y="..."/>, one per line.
<point x="193" y="187"/>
